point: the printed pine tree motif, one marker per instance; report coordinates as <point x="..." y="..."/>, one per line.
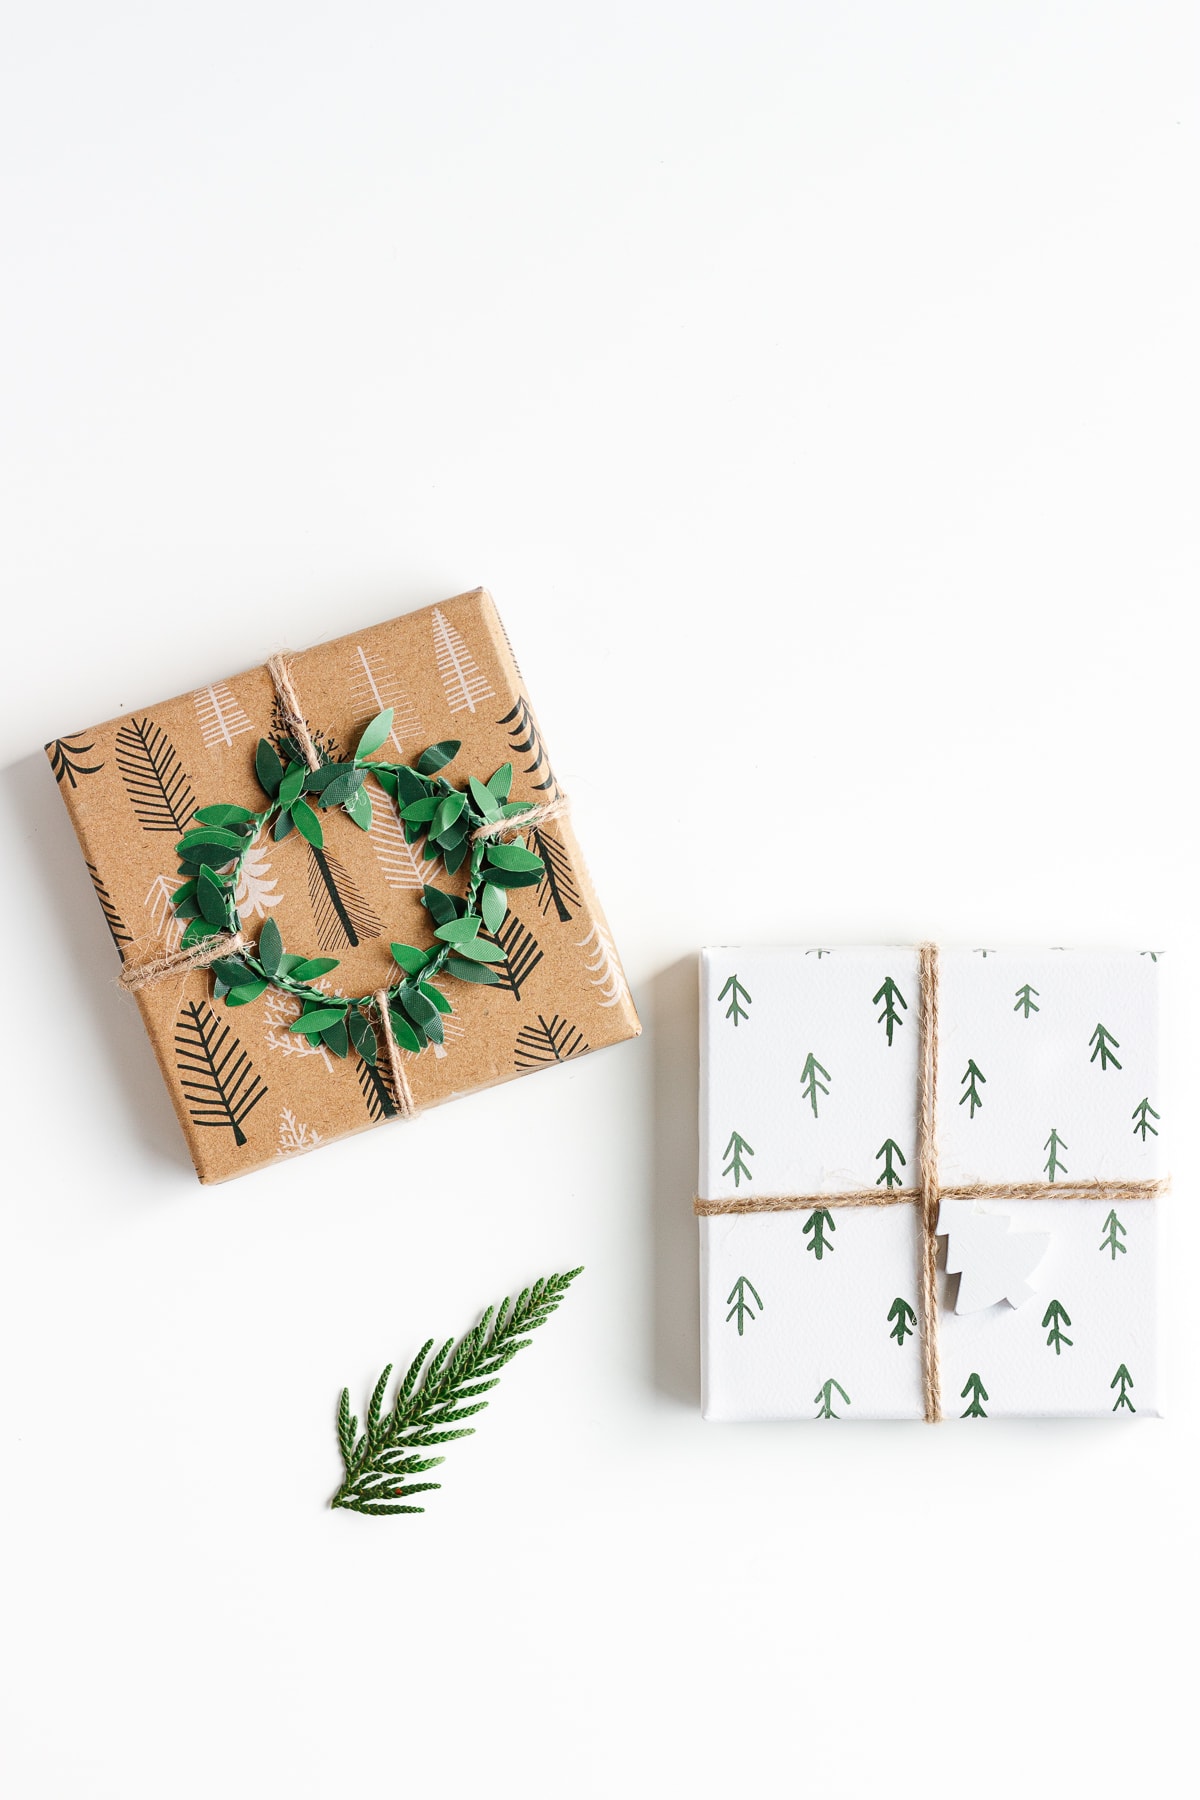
<point x="373" y="688"/>
<point x="294" y="1136"/>
<point x="815" y="1227"/>
<point x="1104" y="1044"/>
<point x="973" y="1097"/>
<point x="112" y="918"/>
<point x="255" y="893"/>
<point x="810" y="1082"/>
<point x="1114" y="1231"/>
<point x="978" y="1394"/>
<point x="157" y="784"/>
<point x="525" y="740"/>
<point x="824" y="1399"/>
<point x="280" y="1011"/>
<point x="556" y="1040"/>
<point x="343" y="918"/>
<point x="216" y="1075"/>
<point x="737" y="1150"/>
<point x="905" y="1320"/>
<point x="159" y="898"/>
<point x="604" y="966"/>
<point x="221" y="718"/>
<point x="818" y="953"/>
<point x="1054" y="1164"/>
<point x="738" y="1304"/>
<point x="1056" y="1317"/>
<point x="521" y="954"/>
<point x="66" y="759"/>
<point x="465" y="686"/>
<point x="737" y="1011"/>
<point x="1126" y="1382"/>
<point x="402" y="864"/>
<point x="985" y="953"/>
<point x="1026" y="1000"/>
<point x="890" y="1150"/>
<point x="557" y="887"/>
<point x="1141" y="1115"/>
<point x="1152" y="954"/>
<point x="889" y="1018"/>
<point x="376" y="1091"/>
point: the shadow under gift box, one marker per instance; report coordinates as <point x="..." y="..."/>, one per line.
<point x="247" y="1089"/>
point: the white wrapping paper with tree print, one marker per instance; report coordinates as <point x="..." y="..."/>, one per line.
<point x="1047" y="1072"/>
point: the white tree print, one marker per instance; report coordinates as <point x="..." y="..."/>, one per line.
<point x="373" y="687"/>
<point x="280" y="1011"/>
<point x="255" y="890"/>
<point x="604" y="966"/>
<point x="295" y="1137"/>
<point x="221" y="718"/>
<point x="465" y="686"/>
<point x="167" y="928"/>
<point x="400" y="861"/>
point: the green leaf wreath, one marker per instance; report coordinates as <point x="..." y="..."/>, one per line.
<point x="380" y="1461"/>
<point x="213" y="853"/>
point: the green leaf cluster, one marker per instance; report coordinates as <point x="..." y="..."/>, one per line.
<point x="431" y="808"/>
<point x="431" y="1402"/>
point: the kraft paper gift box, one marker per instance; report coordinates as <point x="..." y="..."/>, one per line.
<point x="247" y="1088"/>
<point x="1015" y="1201"/>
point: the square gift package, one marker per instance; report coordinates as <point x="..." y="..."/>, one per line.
<point x="248" y="1086"/>
<point x="928" y="1183"/>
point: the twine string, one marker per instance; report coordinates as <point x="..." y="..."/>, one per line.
<point x="405" y="1105"/>
<point x="182" y="962"/>
<point x="279" y="669"/>
<point x="928" y="1195"/>
<point x="537" y="815"/>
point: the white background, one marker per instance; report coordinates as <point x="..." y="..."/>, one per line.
<point x="814" y="386"/>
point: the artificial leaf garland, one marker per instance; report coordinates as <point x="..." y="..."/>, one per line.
<point x="380" y="1460"/>
<point x="214" y="851"/>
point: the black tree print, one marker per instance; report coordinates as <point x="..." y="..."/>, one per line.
<point x="342" y="915"/>
<point x="66" y="760"/>
<point x="376" y="1092"/>
<point x="557" y="887"/>
<point x="157" y="783"/>
<point x="112" y="918"/>
<point x="215" y="1073"/>
<point x="526" y="740"/>
<point x="521" y="954"/>
<point x="549" y="1041"/>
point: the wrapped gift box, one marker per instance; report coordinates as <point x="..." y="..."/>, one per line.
<point x="1047" y="1092"/>
<point x="246" y="1087"/>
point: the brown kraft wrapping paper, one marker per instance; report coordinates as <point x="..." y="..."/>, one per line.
<point x="131" y="788"/>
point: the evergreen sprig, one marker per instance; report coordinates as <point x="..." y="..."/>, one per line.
<point x="213" y="853"/>
<point x="428" y="1405"/>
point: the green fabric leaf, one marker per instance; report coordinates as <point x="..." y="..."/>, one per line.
<point x="409" y="786"/>
<point x="196" y="932"/>
<point x="436" y="996"/>
<point x="317" y="781"/>
<point x="480" y="950"/>
<point x="233" y="973"/>
<point x="225" y="815"/>
<point x="345" y="782"/>
<point x="289" y="963"/>
<point x="318" y="1019"/>
<point x="514" y="808"/>
<point x="485" y="800"/>
<point x="292" y="785"/>
<point x="362" y="1035"/>
<point x="193" y="841"/>
<point x="250" y="990"/>
<point x="515" y="878"/>
<point x="283" y="825"/>
<point x="420" y="812"/>
<point x="422" y="1012"/>
<point x="211" y="899"/>
<point x="268" y="768"/>
<point x="513" y="856"/>
<point x="437" y="756"/>
<point x="441" y="907"/>
<point x="448" y="810"/>
<point x="359" y="808"/>
<point x="411" y="960"/>
<point x="387" y="780"/>
<point x="375" y="736"/>
<point x="311" y="968"/>
<point x="307" y="823"/>
<point x="470" y="971"/>
<point x="493" y="906"/>
<point x="500" y="783"/>
<point x="458" y="931"/>
<point x="335" y="1038"/>
<point x="402" y="1031"/>
<point x="454" y="859"/>
<point x="270" y="948"/>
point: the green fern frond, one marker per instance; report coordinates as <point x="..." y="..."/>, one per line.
<point x="433" y="1395"/>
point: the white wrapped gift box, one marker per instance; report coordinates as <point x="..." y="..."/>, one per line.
<point x="1047" y="1074"/>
